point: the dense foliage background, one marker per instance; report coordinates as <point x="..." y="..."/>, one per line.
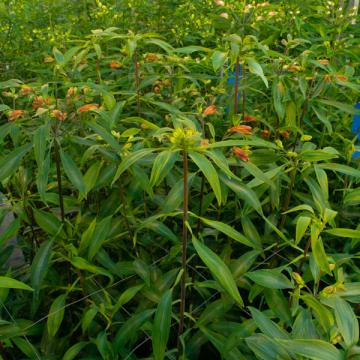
<point x="182" y="179"/>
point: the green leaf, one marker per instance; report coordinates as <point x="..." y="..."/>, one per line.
<point x="73" y="172"/>
<point x="88" y="318"/>
<point x="126" y="296"/>
<point x="267" y="348"/>
<point x="39" y="269"/>
<point x="82" y="264"/>
<point x="256" y="69"/>
<point x="218" y="269"/>
<point x="72" y="352"/>
<point x="131" y="326"/>
<point x="48" y="222"/>
<point x="318" y="250"/>
<point x="92" y="175"/>
<point x="11" y="162"/>
<point x="59" y="57"/>
<point x="343" y="169"/>
<point x="209" y="172"/>
<point x="99" y="236"/>
<point x="243" y="192"/>
<point x="163" y="164"/>
<point x="346" y="321"/>
<point x="229" y="231"/>
<point x="270" y="278"/>
<point x="323" y="315"/>
<point x="302" y="224"/>
<point x="343" y="232"/>
<point x="340" y="105"/>
<point x="26" y="348"/>
<point x="218" y="59"/>
<point x="228" y="143"/>
<point x="4" y="107"/>
<point x="313" y="349"/>
<point x="161" y="327"/>
<point x="257" y="173"/>
<point x="267" y="326"/>
<point x="302" y="207"/>
<point x="56" y="315"/>
<point x="130" y="160"/>
<point x="316" y="155"/>
<point x="10" y="231"/>
<point x="106" y="136"/>
<point x="39" y="140"/>
<point x="9" y="283"/>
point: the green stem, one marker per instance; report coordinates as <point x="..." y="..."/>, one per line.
<point x="184" y="248"/>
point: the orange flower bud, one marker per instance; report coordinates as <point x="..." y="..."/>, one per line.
<point x="249" y="118"/>
<point x="204" y="142"/>
<point x="15" y="114"/>
<point x="151" y="57"/>
<point x="265" y="133"/>
<point x="87" y="107"/>
<point x="210" y="110"/>
<point x="26" y="90"/>
<point x="323" y="61"/>
<point x="242" y="129"/>
<point x="59" y="115"/>
<point x="115" y="64"/>
<point x="224" y="15"/>
<point x="240" y="153"/>
<point x="39" y="101"/>
<point x="71" y="91"/>
<point x="285" y="134"/>
<point x="341" y="77"/>
<point x="294" y="68"/>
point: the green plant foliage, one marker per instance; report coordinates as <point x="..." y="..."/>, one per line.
<point x="177" y="179"/>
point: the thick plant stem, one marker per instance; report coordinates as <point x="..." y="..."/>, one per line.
<point x="184" y="248"/>
<point x="58" y="176"/>
<point x="236" y="99"/>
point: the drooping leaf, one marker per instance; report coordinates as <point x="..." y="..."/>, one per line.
<point x="209" y="172"/>
<point x="270" y="278"/>
<point x="56" y="315"/>
<point x="218" y="269"/>
<point x="162" y="323"/>
<point x="11" y="162"/>
<point x="73" y="172"/>
<point x="9" y="283"/>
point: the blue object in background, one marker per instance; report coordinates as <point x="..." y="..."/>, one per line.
<point x="231" y="83"/>
<point x="356" y="129"/>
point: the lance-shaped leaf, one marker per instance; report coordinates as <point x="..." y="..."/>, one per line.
<point x="56" y="315"/>
<point x="130" y="160"/>
<point x="163" y="163"/>
<point x="162" y="323"/>
<point x="218" y="269"/>
<point x="11" y="162"/>
<point x="229" y="231"/>
<point x="270" y="278"/>
<point x="9" y="283"/>
<point x="209" y="172"/>
<point x="312" y="349"/>
<point x="256" y="69"/>
<point x="73" y="172"/>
